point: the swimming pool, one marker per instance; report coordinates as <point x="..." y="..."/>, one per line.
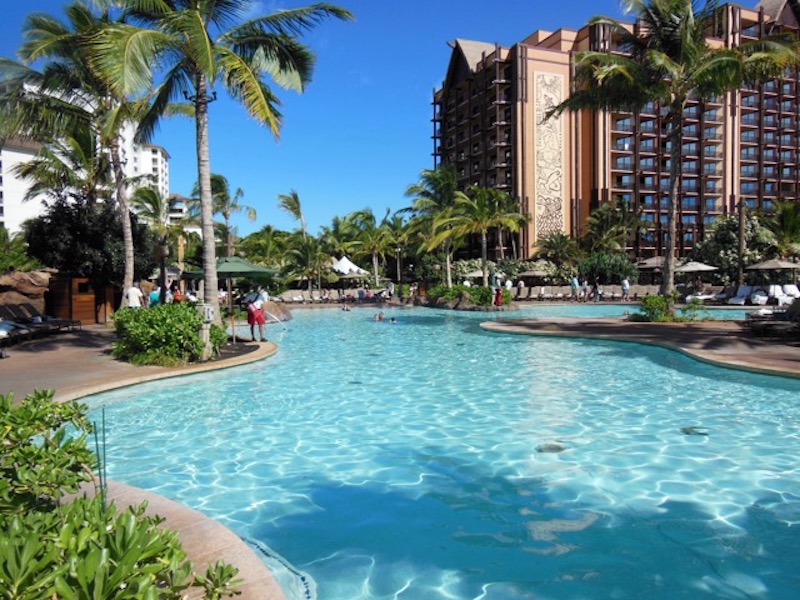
<point x="431" y="459"/>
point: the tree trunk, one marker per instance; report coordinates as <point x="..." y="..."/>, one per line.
<point x="206" y="201"/>
<point x="375" y="268"/>
<point x="676" y="138"/>
<point x="125" y="218"/>
<point x="742" y="225"/>
<point x="484" y="258"/>
<point x="447" y="261"/>
<point x="229" y="234"/>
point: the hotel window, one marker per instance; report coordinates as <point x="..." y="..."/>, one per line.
<point x="750" y="119"/>
<point x="664" y="202"/>
<point x="748" y="153"/>
<point x="712" y="204"/>
<point x="749" y="188"/>
<point x="648" y="164"/>
<point x="689" y="203"/>
<point x="648" y="145"/>
<point x="749" y="170"/>
<point x="689" y="185"/>
<point x="649" y="217"/>
<point x="691" y="149"/>
<point x="787" y="156"/>
<point x="709" y="220"/>
<point x="751" y="203"/>
<point x="623" y="162"/>
<point x="688" y="237"/>
<point x="648" y="182"/>
<point x="769" y="137"/>
<point x="624" y="181"/>
<point x="648" y="126"/>
<point x="768" y="204"/>
<point x="625" y="124"/>
<point x="770" y="170"/>
<point x="663" y="219"/>
<point x="688" y="219"/>
<point x="648" y="201"/>
<point x="750" y="136"/>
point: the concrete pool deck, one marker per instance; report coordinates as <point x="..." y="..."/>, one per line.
<point x="78" y="364"/>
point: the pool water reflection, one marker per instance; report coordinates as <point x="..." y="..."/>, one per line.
<point x="431" y="459"/>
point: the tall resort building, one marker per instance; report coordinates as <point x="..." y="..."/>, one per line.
<point x="144" y="164"/>
<point x="740" y="148"/>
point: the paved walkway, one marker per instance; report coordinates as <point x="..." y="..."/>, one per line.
<point x="719" y="342"/>
<point x="78" y="364"/>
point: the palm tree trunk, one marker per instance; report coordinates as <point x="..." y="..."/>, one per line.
<point x="484" y="259"/>
<point x="447" y="264"/>
<point x="229" y="234"/>
<point x="676" y="138"/>
<point x="375" y="268"/>
<point x="125" y="217"/>
<point x="206" y="202"/>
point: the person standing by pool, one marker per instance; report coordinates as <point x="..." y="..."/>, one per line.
<point x="135" y="296"/>
<point x="573" y="284"/>
<point x="626" y="289"/>
<point x="255" y="314"/>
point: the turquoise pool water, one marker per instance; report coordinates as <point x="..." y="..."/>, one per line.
<point x="429" y="459"/>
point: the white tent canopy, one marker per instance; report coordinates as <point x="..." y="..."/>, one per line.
<point x="347" y="267"/>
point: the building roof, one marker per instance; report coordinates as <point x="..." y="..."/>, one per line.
<point x="474" y="52"/>
<point x="786" y="12"/>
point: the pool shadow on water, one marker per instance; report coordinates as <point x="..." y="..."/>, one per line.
<point x="490" y="527"/>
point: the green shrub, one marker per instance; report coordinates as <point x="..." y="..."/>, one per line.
<point x="654" y="309"/>
<point x="85" y="548"/>
<point x="166" y="335"/>
<point x="478" y="295"/>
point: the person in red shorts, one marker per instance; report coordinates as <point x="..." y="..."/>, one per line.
<point x="255" y="315"/>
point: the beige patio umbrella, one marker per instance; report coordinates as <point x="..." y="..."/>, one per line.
<point x="695" y="267"/>
<point x="774" y="264"/>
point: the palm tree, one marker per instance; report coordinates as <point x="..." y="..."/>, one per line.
<point x="476" y="212"/>
<point x="186" y="42"/>
<point x="291" y="203"/>
<point x="340" y="238"/>
<point x="14" y="253"/>
<point x="610" y="227"/>
<point x="667" y="59"/>
<point x="397" y="230"/>
<point x="784" y="229"/>
<point x="73" y="165"/>
<point x="307" y="259"/>
<point x="68" y="93"/>
<point x="436" y="192"/>
<point x="374" y="238"/>
<point x="266" y="246"/>
<point x="559" y="249"/>
<point x="153" y="208"/>
<point x="224" y="205"/>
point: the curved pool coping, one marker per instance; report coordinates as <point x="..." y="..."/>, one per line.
<point x="720" y="343"/>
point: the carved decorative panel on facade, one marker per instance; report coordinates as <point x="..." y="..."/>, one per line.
<point x="549" y="175"/>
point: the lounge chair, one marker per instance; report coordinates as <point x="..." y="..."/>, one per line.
<point x="776" y="293"/>
<point x="759" y="297"/>
<point x="791" y="290"/>
<point x="742" y="295"/>
<point x="64" y="323"/>
<point x="10" y="312"/>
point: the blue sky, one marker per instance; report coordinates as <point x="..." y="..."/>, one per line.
<point x="361" y="133"/>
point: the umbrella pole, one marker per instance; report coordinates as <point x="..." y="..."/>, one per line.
<point x="230" y="310"/>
